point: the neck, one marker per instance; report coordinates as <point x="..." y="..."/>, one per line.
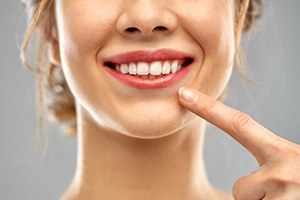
<point x="114" y="166"/>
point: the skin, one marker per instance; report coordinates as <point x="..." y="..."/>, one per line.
<point x="278" y="174"/>
<point x="121" y="153"/>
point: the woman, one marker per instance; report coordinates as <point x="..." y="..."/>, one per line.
<point x="130" y="67"/>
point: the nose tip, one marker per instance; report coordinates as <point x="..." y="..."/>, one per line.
<point x="152" y="20"/>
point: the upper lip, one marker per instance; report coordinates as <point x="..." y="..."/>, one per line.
<point x="147" y="56"/>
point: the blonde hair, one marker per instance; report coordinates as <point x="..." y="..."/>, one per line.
<point x="54" y="99"/>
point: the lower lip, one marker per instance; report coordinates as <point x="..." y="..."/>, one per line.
<point x="146" y="83"/>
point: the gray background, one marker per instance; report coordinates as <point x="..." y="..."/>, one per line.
<point x="273" y="58"/>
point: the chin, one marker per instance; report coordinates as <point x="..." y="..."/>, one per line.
<point x="153" y="124"/>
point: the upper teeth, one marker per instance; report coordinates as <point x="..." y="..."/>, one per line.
<point x="153" y="68"/>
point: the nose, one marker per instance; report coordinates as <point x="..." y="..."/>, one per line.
<point x="146" y="18"/>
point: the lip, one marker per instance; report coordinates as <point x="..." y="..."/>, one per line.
<point x="149" y="56"/>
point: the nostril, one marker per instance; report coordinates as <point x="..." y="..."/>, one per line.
<point x="132" y="29"/>
<point x="160" y="28"/>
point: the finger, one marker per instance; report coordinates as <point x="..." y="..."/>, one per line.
<point x="249" y="187"/>
<point x="254" y="137"/>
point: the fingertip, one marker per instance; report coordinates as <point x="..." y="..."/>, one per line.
<point x="180" y="91"/>
<point x="188" y="95"/>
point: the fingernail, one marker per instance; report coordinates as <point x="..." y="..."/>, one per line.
<point x="188" y="95"/>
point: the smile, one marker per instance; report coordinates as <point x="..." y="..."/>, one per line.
<point x="149" y="70"/>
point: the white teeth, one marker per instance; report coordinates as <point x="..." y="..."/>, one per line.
<point x="174" y="66"/>
<point x="166" y="69"/>
<point x="142" y="68"/>
<point x="155" y="68"/>
<point x="132" y="68"/>
<point x="149" y="70"/>
<point x="124" y="68"/>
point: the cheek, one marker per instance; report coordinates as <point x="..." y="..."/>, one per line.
<point x="218" y="46"/>
<point x="212" y="27"/>
<point x="83" y="29"/>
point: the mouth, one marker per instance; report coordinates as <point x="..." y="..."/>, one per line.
<point x="149" y="70"/>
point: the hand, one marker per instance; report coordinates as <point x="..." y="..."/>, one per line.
<point x="278" y="177"/>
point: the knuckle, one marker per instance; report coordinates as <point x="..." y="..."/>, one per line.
<point x="207" y="107"/>
<point x="240" y="120"/>
<point x="278" y="182"/>
<point x="238" y="188"/>
<point x="291" y="150"/>
<point x="248" y="187"/>
<point x="287" y="152"/>
<point x="282" y="179"/>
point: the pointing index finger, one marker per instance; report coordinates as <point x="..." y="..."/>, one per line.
<point x="259" y="141"/>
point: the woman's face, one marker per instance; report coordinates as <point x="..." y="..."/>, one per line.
<point x="99" y="38"/>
